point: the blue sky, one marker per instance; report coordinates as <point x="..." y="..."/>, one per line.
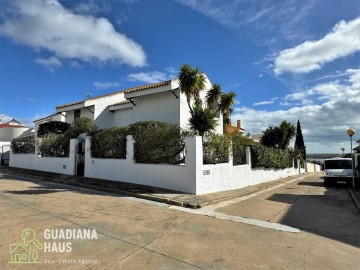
<point x="285" y="59"/>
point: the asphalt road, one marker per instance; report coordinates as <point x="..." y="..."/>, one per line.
<point x="301" y="225"/>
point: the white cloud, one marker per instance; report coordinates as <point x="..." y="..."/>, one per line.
<point x="323" y="125"/>
<point x="150" y="77"/>
<point x="268" y="19"/>
<point x="46" y="24"/>
<point x="91" y="7"/>
<point x="50" y="63"/>
<point x="5" y="118"/>
<point x="265" y="102"/>
<point x="106" y="85"/>
<point x="343" y="40"/>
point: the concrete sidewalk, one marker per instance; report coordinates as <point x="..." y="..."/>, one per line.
<point x="146" y="192"/>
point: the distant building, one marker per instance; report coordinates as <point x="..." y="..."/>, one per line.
<point x="8" y="131"/>
<point x="12" y="130"/>
<point x="256" y="137"/>
<point x="230" y="129"/>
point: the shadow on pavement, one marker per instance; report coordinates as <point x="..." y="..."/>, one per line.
<point x="313" y="184"/>
<point x="38" y="191"/>
<point x="46" y="187"/>
<point x="332" y="215"/>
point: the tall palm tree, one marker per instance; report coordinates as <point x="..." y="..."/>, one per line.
<point x="192" y="82"/>
<point x="213" y="95"/>
<point x="227" y="100"/>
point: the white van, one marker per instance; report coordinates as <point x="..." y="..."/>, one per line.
<point x="337" y="170"/>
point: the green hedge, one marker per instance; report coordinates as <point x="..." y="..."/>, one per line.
<point x="216" y="149"/>
<point x="262" y="156"/>
<point x="54" y="145"/>
<point x="158" y="142"/>
<point x="56" y="127"/>
<point x="58" y="145"/>
<point x="24" y="145"/>
<point x="239" y="143"/>
<point x="109" y="143"/>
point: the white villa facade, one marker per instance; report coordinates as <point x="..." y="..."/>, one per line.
<point x="161" y="101"/>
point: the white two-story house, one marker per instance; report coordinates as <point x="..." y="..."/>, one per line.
<point x="161" y="101"/>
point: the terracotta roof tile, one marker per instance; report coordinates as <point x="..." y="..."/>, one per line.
<point x="129" y="90"/>
<point x="51" y="115"/>
<point x="10" y="125"/>
<point x="148" y="86"/>
<point x="121" y="103"/>
<point x="69" y="104"/>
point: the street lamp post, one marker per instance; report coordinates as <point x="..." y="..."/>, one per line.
<point x="351" y="133"/>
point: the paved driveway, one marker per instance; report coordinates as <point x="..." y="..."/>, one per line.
<point x="137" y="234"/>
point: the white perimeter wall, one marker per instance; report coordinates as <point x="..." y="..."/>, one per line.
<point x="175" y="177"/>
<point x="49" y="164"/>
<point x="193" y="177"/>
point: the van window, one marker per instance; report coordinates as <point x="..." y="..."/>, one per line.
<point x="338" y="164"/>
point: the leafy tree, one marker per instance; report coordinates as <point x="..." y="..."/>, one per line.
<point x="299" y="141"/>
<point x="79" y="126"/>
<point x="202" y="120"/>
<point x="23" y="145"/>
<point x="192" y="82"/>
<point x="278" y="137"/>
<point x="56" y="127"/>
<point x="57" y="145"/>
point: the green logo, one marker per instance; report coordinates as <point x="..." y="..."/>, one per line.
<point x="27" y="250"/>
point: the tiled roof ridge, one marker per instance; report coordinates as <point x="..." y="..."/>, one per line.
<point x="129" y="90"/>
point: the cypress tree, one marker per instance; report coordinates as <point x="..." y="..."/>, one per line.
<point x="299" y="141"/>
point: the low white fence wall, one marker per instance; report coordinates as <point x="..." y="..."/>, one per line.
<point x="175" y="177"/>
<point x="50" y="164"/>
<point x="192" y="177"/>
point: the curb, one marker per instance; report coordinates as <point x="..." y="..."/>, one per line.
<point x="355" y="199"/>
<point x="186" y="204"/>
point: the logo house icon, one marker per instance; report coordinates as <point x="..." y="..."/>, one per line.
<point x="27" y="250"/>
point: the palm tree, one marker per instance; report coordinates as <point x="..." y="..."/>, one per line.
<point x="213" y="95"/>
<point x="192" y="82"/>
<point x="227" y="100"/>
<point x="202" y="120"/>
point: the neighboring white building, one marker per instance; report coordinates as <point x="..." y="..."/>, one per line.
<point x="161" y="101"/>
<point x="9" y="131"/>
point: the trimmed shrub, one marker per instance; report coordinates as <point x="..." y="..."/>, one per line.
<point x="216" y="149"/>
<point x="262" y="156"/>
<point x="158" y="142"/>
<point x="239" y="142"/>
<point x="54" y="145"/>
<point x="58" y="145"/>
<point x="79" y="126"/>
<point x="24" y="145"/>
<point x="109" y="143"/>
<point x="56" y="127"/>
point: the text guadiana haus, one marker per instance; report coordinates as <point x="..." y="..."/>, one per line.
<point x="59" y="240"/>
